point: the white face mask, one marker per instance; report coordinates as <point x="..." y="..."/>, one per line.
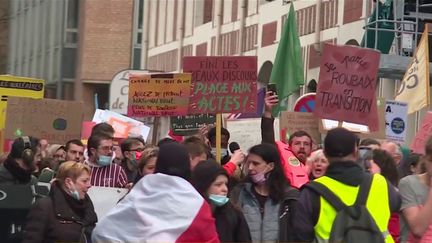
<point x="224" y="152"/>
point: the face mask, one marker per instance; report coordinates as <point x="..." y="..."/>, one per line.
<point x="224" y="152"/>
<point x="259" y="178"/>
<point x="218" y="200"/>
<point x="104" y="160"/>
<point x="75" y="194"/>
<point x="135" y="157"/>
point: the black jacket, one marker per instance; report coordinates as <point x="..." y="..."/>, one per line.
<point x="231" y="224"/>
<point x="60" y="218"/>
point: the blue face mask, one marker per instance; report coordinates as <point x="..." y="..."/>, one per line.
<point x="218" y="200"/>
<point x="75" y="194"/>
<point x="104" y="160"/>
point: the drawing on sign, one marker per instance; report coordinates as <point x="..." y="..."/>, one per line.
<point x="222" y="84"/>
<point x="346" y="90"/>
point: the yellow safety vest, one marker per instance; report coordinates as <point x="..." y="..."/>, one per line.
<point x="377" y="203"/>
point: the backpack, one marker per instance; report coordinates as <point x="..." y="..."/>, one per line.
<point x="352" y="224"/>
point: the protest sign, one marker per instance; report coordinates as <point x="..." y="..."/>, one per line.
<point x="346" y="87"/>
<point x="247" y="132"/>
<point x="58" y="121"/>
<point x="222" y="84"/>
<point x="18" y="87"/>
<point x="362" y="131"/>
<point x="86" y="129"/>
<point x="136" y="129"/>
<point x="423" y="134"/>
<point x="105" y="198"/>
<point x="159" y="95"/>
<point x="291" y="122"/>
<point x="189" y="125"/>
<point x="121" y="128"/>
<point x="396" y="120"/>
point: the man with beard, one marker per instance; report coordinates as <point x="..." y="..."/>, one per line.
<point x="295" y="153"/>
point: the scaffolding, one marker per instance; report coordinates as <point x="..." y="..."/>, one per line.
<point x="400" y="23"/>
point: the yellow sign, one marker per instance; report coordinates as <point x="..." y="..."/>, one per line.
<point x="19" y="87"/>
<point x="414" y="88"/>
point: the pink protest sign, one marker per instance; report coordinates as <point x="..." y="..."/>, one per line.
<point x="425" y="131"/>
<point x="347" y="83"/>
<point x="222" y="84"/>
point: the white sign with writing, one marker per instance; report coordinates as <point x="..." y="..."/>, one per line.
<point x="119" y="90"/>
<point x="396" y="120"/>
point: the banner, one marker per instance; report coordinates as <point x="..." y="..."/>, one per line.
<point x="222" y="84"/>
<point x="291" y="122"/>
<point x="58" y="121"/>
<point x="396" y="120"/>
<point x="423" y="134"/>
<point x="159" y="95"/>
<point x="189" y="125"/>
<point x="414" y="88"/>
<point x="347" y="84"/>
<point x="18" y="87"/>
<point x="105" y="198"/>
<point x="247" y="132"/>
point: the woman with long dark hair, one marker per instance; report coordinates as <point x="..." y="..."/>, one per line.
<point x="266" y="198"/>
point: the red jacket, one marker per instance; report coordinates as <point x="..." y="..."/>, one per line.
<point x="295" y="171"/>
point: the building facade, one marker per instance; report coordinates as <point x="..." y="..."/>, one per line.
<point x="174" y="29"/>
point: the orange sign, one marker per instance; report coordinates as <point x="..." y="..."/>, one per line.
<point x="121" y="128"/>
<point x="159" y="95"/>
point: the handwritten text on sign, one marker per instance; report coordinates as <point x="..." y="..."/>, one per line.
<point x="346" y="87"/>
<point x="222" y="84"/>
<point x="159" y="95"/>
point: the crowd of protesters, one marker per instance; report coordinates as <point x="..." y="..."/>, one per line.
<point x="178" y="192"/>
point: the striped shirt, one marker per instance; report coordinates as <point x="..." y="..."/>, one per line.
<point x="112" y="175"/>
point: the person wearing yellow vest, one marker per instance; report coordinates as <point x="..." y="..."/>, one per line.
<point x="295" y="153"/>
<point x="314" y="216"/>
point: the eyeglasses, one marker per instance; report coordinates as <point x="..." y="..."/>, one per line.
<point x="107" y="148"/>
<point x="137" y="150"/>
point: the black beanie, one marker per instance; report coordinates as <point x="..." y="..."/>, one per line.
<point x="205" y="173"/>
<point x="339" y="142"/>
<point x="173" y="159"/>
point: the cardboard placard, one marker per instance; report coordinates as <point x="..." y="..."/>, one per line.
<point x="58" y="121"/>
<point x="347" y="83"/>
<point x="291" y="122"/>
<point x="18" y="87"/>
<point x="423" y="134"/>
<point x="222" y="84"/>
<point x="247" y="132"/>
<point x="159" y="95"/>
<point x="396" y="120"/>
<point x="189" y="125"/>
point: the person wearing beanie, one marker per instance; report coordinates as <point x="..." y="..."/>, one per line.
<point x="343" y="178"/>
<point x="211" y="181"/>
<point x="161" y="207"/>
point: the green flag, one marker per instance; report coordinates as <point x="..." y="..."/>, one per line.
<point x="287" y="72"/>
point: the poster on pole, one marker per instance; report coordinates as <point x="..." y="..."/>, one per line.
<point x="189" y="125"/>
<point x="423" y="134"/>
<point x="347" y="84"/>
<point x="396" y="120"/>
<point x="222" y="84"/>
<point x="159" y="95"/>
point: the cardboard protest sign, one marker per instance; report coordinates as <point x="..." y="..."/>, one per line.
<point x="58" y="121"/>
<point x="189" y="125"/>
<point x="134" y="128"/>
<point x="247" y="132"/>
<point x="159" y="95"/>
<point x="291" y="122"/>
<point x="396" y="120"/>
<point x="18" y="87"/>
<point x="222" y="84"/>
<point x="423" y="134"/>
<point x="346" y="87"/>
